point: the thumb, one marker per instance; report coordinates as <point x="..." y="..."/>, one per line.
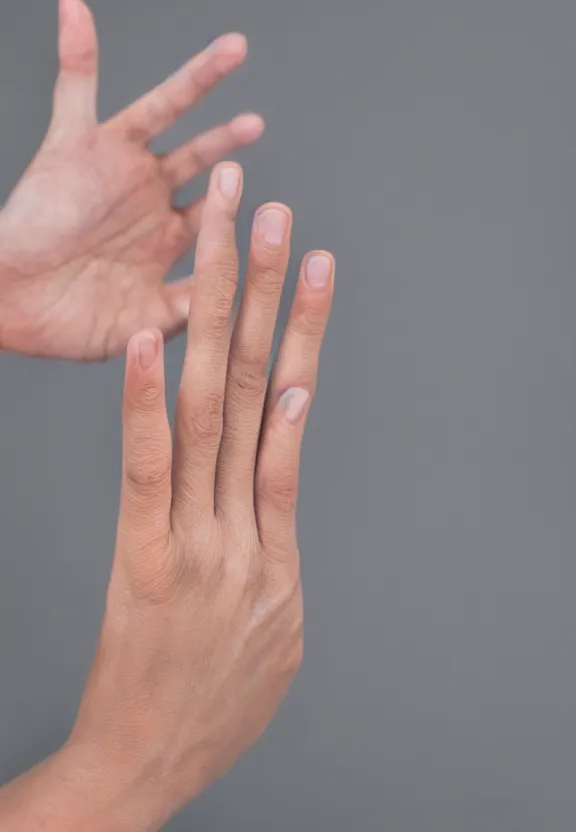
<point x="77" y="84"/>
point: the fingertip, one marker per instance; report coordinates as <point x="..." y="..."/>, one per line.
<point x="231" y="43"/>
<point x="248" y="127"/>
<point x="144" y="348"/>
<point x="78" y="43"/>
<point x="72" y="12"/>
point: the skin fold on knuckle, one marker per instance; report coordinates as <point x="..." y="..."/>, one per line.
<point x="247" y="378"/>
<point x="200" y="416"/>
<point x="308" y="320"/>
<point x="147" y="469"/>
<point x="165" y="106"/>
<point x="267" y="269"/>
<point x="78" y="60"/>
<point x="279" y="490"/>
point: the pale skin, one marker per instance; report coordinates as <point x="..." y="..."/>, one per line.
<point x="202" y="633"/>
<point x="90" y="233"/>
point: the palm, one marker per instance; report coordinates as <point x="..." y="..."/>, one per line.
<point x="90" y="233"/>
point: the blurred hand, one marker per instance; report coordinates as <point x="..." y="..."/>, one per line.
<point x="203" y="629"/>
<point x="90" y="232"/>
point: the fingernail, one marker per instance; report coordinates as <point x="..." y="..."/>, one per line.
<point x="147" y="350"/>
<point x="318" y="271"/>
<point x="293" y="402"/>
<point x="272" y="224"/>
<point x="229" y="182"/>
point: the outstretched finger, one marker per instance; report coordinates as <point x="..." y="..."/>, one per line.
<point x="160" y="108"/>
<point x="77" y="84"/>
<point x="203" y="151"/>
<point x="291" y="389"/>
<point x="199" y="411"/>
<point x="147" y="445"/>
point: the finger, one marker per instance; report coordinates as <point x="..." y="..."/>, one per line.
<point x="168" y="309"/>
<point x="146" y="477"/>
<point x="76" y="87"/>
<point x="159" y="109"/>
<point x="250" y="354"/>
<point x="200" y="400"/>
<point x="292" y="387"/>
<point x="203" y="151"/>
<point x="192" y="218"/>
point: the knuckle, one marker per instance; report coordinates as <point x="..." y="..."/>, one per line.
<point x="146" y="469"/>
<point x="202" y="417"/>
<point x="308" y="321"/>
<point x="168" y="106"/>
<point x="247" y="375"/>
<point x="157" y="580"/>
<point x="249" y="384"/>
<point x="278" y="490"/>
<point x="195" y="159"/>
<point x="268" y="277"/>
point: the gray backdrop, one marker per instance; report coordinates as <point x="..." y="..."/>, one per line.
<point x="431" y="145"/>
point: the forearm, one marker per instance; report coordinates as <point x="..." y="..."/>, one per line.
<point x="67" y="793"/>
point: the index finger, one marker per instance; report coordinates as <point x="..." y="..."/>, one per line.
<point x="160" y="108"/>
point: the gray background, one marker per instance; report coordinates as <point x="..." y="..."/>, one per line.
<point x="431" y="145"/>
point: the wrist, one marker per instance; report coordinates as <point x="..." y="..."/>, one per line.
<point x="118" y="796"/>
<point x="73" y="790"/>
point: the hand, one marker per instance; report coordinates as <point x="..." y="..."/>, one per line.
<point x="203" y="629"/>
<point x="90" y="233"/>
